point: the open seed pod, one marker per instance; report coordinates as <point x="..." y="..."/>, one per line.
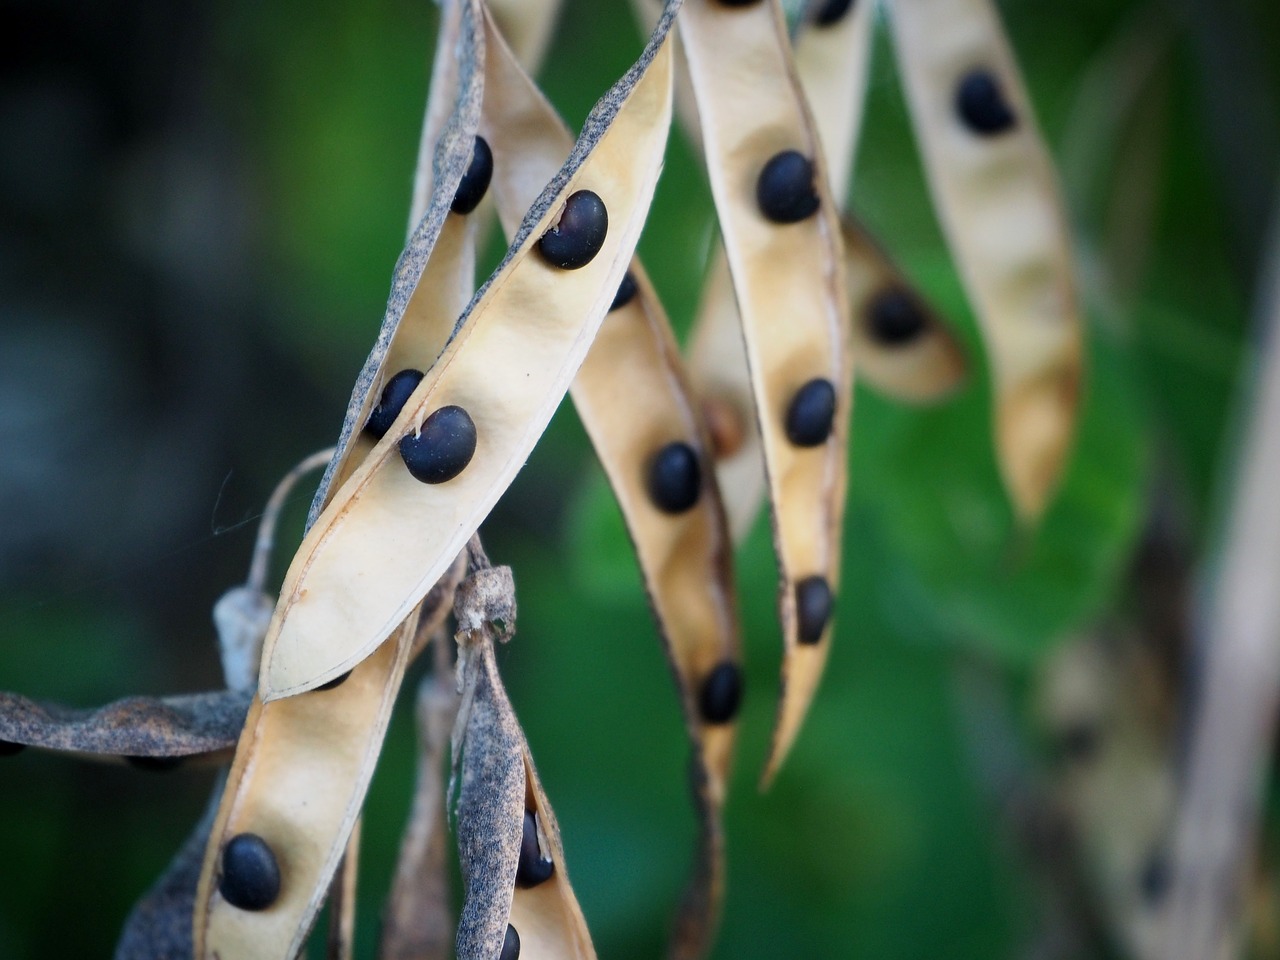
<point x="995" y="189"/>
<point x="518" y="899"/>
<point x="782" y="237"/>
<point x="460" y="438"/>
<point x="654" y="454"/>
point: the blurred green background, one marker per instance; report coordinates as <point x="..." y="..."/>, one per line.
<point x="200" y="207"/>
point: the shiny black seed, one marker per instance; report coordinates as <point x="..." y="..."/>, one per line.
<point x="981" y="104"/>
<point x="675" y="478"/>
<point x="814" y="604"/>
<point x="392" y="401"/>
<point x="832" y="11"/>
<point x="250" y="874"/>
<point x="1155" y="879"/>
<point x="626" y="292"/>
<point x="1078" y="743"/>
<point x="894" y="317"/>
<point x="785" y="190"/>
<point x="154" y="764"/>
<point x="510" y="945"/>
<point x="475" y="181"/>
<point x="337" y="681"/>
<point x="811" y="414"/>
<point x="443" y="448"/>
<point x="721" y="693"/>
<point x="578" y="237"/>
<point x="8" y="748"/>
<point x="532" y="868"/>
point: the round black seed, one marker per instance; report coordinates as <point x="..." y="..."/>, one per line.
<point x="785" y="190"/>
<point x="832" y="11"/>
<point x="812" y="413"/>
<point x="532" y="868"/>
<point x="721" y="693"/>
<point x="894" y="317"/>
<point x="337" y="681"/>
<point x="981" y="104"/>
<point x="250" y="874"/>
<point x="510" y="945"/>
<point x="579" y="235"/>
<point x="626" y="292"/>
<point x="475" y="181"/>
<point x="814" y="603"/>
<point x="154" y="764"/>
<point x="443" y="448"/>
<point x="392" y="401"/>
<point x="8" y="748"/>
<point x="675" y="478"/>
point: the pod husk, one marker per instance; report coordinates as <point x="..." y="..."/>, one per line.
<point x="1000" y="206"/>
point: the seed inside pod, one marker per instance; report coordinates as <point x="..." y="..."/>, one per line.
<point x="675" y="478"/>
<point x="474" y="183"/>
<point x="626" y="292"/>
<point x="814" y="604"/>
<point x="721" y="693"/>
<point x="724" y="424"/>
<point x="394" y="395"/>
<point x="337" y="681"/>
<point x="250" y="874"/>
<point x="510" y="945"/>
<point x="154" y="764"/>
<point x="981" y="104"/>
<point x="532" y="868"/>
<point x="831" y="12"/>
<point x="893" y="317"/>
<point x="442" y="448"/>
<point x="578" y="235"/>
<point x="785" y="191"/>
<point x="8" y="748"/>
<point x="812" y="413"/>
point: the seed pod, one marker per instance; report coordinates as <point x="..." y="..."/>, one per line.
<point x="515" y="352"/>
<point x="790" y="290"/>
<point x="527" y="27"/>
<point x="997" y="196"/>
<point x="684" y="557"/>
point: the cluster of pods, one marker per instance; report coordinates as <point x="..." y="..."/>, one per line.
<point x="462" y="382"/>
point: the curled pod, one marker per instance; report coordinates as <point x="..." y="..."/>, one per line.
<point x="997" y="196"/>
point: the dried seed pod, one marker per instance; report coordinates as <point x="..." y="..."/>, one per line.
<point x="790" y="287"/>
<point x="684" y="556"/>
<point x="527" y="26"/>
<point x="298" y="781"/>
<point x="994" y="186"/>
<point x="515" y="352"/>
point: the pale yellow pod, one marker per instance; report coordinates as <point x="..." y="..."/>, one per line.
<point x="634" y="400"/>
<point x="298" y="782"/>
<point x="789" y="279"/>
<point x="386" y="537"/>
<point x="528" y="26"/>
<point x="997" y="197"/>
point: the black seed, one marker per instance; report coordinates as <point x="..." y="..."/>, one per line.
<point x="8" y="748"/>
<point x="832" y="11"/>
<point x="250" y="874"/>
<point x="1155" y="879"/>
<point x="812" y="413"/>
<point x="337" y="681"/>
<point x="533" y="868"/>
<point x="578" y="237"/>
<point x="443" y="448"/>
<point x="1078" y="743"/>
<point x="981" y="104"/>
<point x="894" y="317"/>
<point x="785" y="190"/>
<point x="626" y="292"/>
<point x="392" y="401"/>
<point x="814" y="604"/>
<point x="675" y="478"/>
<point x="721" y="693"/>
<point x="154" y="764"/>
<point x="475" y="181"/>
<point x="510" y="945"/>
